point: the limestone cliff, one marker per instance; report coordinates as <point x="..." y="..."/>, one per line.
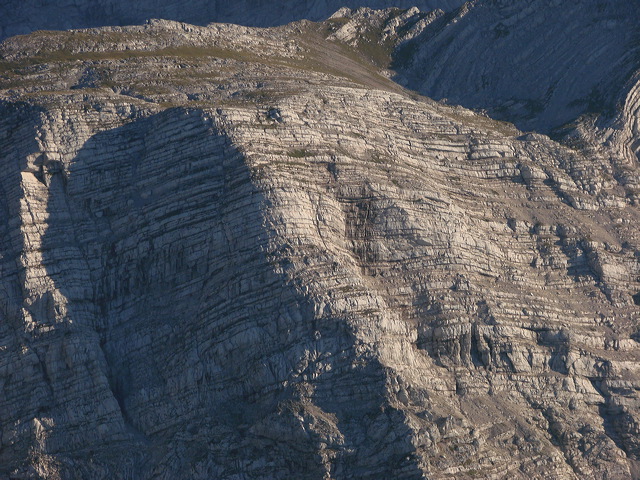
<point x="243" y="253"/>
<point x="569" y="70"/>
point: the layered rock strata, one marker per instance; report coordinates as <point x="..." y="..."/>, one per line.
<point x="234" y="253"/>
<point x="568" y="70"/>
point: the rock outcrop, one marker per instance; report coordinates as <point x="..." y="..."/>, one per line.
<point x="571" y="71"/>
<point x="242" y="253"/>
<point x="537" y="63"/>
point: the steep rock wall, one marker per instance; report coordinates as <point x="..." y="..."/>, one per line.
<point x="192" y="296"/>
<point x="207" y="274"/>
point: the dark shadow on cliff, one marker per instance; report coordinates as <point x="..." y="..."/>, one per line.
<point x="470" y="57"/>
<point x="156" y="238"/>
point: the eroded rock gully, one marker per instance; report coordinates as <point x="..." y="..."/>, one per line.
<point x="368" y="284"/>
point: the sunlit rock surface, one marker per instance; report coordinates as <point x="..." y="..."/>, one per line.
<point x="234" y="253"/>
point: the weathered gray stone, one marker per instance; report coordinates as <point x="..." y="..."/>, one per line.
<point x="377" y="286"/>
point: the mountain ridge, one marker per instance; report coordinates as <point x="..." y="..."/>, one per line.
<point x="22" y="17"/>
<point x="229" y="254"/>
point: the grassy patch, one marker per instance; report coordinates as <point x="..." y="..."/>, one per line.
<point x="186" y="52"/>
<point x="404" y="54"/>
<point x="379" y="52"/>
<point x="299" y="153"/>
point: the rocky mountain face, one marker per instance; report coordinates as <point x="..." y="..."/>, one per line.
<point x="241" y="253"/>
<point x="530" y="63"/>
<point x="19" y="17"/>
<point x="544" y="65"/>
<point x="537" y="63"/>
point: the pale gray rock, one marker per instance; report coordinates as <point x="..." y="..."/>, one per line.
<point x="243" y="253"/>
<point x="570" y="70"/>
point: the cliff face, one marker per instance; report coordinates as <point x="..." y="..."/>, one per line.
<point x="571" y="71"/>
<point x="235" y="253"/>
<point x="538" y="63"/>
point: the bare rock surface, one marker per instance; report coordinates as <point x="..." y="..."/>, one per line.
<point x="569" y="70"/>
<point x="537" y="63"/>
<point x="239" y="253"/>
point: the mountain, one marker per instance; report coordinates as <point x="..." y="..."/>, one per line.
<point x="568" y="70"/>
<point x="232" y="252"/>
<point x="19" y="17"/>
<point x="540" y="64"/>
<point x="537" y="63"/>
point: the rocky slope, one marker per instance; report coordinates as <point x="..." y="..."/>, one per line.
<point x="570" y="70"/>
<point x="241" y="253"/>
<point x="538" y="63"/>
<point x="19" y="17"/>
